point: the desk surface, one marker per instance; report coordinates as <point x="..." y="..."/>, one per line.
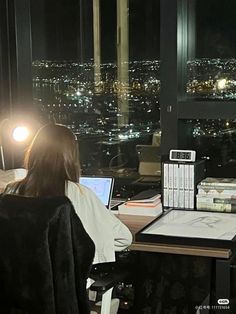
<point x="136" y="223"/>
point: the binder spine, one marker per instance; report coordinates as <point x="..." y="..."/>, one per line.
<point x="176" y="185"/>
<point x="181" y="186"/>
<point x="180" y="183"/>
<point x="191" y="187"/>
<point x="186" y="186"/>
<point x="171" y="184"/>
<point x="165" y="185"/>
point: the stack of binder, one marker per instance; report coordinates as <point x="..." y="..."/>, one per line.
<point x="146" y="203"/>
<point x="179" y="183"/>
<point x="217" y="194"/>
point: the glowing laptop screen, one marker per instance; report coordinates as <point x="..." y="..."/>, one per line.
<point x="101" y="186"/>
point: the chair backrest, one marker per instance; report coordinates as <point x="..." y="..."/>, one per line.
<point x="45" y="256"/>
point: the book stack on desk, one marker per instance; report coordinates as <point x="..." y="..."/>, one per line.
<point x="217" y="194"/>
<point x="146" y="203"/>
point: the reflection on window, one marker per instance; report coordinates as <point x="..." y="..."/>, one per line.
<point x="211" y="73"/>
<point x="214" y="141"/>
<point x="109" y="96"/>
<point x="212" y="78"/>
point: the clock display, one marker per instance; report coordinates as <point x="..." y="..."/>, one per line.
<point x="182" y="155"/>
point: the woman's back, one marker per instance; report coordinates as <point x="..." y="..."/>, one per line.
<point x="52" y="164"/>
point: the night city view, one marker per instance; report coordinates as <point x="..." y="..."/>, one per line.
<point x="214" y="140"/>
<point x="66" y="93"/>
<point x="212" y="79"/>
<point x="120" y="107"/>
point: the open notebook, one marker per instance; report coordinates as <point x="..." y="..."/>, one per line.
<point x="103" y="188"/>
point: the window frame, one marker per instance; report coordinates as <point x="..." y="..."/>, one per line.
<point x="178" y="25"/>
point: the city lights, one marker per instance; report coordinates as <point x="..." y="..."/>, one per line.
<point x="211" y="78"/>
<point x="221" y="84"/>
<point x="67" y="92"/>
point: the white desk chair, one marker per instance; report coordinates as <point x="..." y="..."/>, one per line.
<point x="107" y="305"/>
<point x="104" y="285"/>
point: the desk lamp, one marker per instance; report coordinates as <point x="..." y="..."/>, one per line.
<point x="19" y="134"/>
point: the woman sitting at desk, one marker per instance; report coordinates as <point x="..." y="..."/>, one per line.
<point x="53" y="168"/>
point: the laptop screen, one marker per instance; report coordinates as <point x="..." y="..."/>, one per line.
<point x="101" y="186"/>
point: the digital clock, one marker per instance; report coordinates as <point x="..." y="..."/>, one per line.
<point x="182" y="155"/>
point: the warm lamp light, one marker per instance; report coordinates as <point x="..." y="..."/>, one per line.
<point x="20" y="133"/>
<point x="15" y="129"/>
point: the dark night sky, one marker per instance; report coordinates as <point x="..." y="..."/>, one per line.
<point x="59" y="32"/>
<point x="216" y="28"/>
<point x="57" y="28"/>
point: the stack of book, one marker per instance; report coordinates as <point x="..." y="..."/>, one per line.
<point x="217" y="194"/>
<point x="146" y="203"/>
<point x="180" y="181"/>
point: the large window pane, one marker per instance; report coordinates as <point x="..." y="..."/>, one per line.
<point x="96" y="69"/>
<point x="214" y="141"/>
<point x="211" y="72"/>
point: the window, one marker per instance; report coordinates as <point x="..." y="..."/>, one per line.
<point x="215" y="141"/>
<point x="211" y="70"/>
<point x="207" y="110"/>
<point x="96" y="69"/>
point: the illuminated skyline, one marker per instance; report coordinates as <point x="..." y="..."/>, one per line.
<point x="65" y="92"/>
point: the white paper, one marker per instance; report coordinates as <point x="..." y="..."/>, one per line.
<point x="195" y="224"/>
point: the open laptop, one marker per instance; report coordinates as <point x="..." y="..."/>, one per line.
<point x="103" y="188"/>
<point x="149" y="163"/>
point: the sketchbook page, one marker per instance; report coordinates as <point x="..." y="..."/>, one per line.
<point x="210" y="225"/>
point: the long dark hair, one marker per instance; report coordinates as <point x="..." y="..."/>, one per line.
<point x="51" y="160"/>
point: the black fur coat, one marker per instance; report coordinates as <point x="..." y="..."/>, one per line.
<point x="45" y="257"/>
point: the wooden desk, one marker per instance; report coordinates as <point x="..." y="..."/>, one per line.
<point x="136" y="223"/>
<point x="224" y="258"/>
